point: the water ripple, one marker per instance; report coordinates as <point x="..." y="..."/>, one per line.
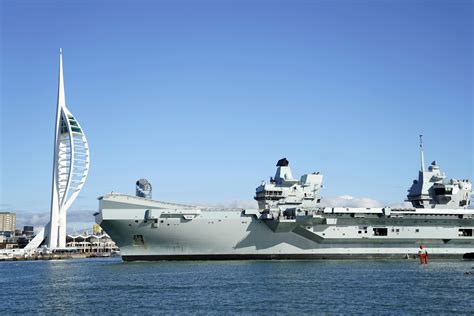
<point x="105" y="286"/>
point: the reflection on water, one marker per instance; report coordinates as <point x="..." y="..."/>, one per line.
<point x="110" y="286"/>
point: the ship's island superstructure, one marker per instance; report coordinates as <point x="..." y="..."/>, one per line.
<point x="290" y="223"/>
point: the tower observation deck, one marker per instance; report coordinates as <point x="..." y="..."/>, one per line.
<point x="70" y="169"/>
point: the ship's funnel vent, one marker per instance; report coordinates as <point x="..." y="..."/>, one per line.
<point x="143" y="189"/>
<point x="283" y="162"/>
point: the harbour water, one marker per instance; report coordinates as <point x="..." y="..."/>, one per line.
<point x="105" y="286"/>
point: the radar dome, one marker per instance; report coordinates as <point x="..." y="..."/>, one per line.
<point x="143" y="189"/>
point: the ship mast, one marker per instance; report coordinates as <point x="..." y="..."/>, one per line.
<point x="422" y="167"/>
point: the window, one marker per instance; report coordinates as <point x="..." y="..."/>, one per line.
<point x="76" y="129"/>
<point x="443" y="191"/>
<point x="465" y="232"/>
<point x="417" y="230"/>
<point x="380" y="231"/>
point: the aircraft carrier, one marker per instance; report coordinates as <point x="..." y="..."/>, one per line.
<point x="290" y="223"/>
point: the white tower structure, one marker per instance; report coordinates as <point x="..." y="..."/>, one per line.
<point x="70" y="168"/>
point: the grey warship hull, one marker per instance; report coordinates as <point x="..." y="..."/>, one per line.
<point x="151" y="230"/>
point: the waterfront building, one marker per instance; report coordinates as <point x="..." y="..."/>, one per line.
<point x="8" y="243"/>
<point x="17" y="239"/>
<point x="7" y="223"/>
<point x="96" y="243"/>
<point x="28" y="230"/>
<point x="70" y="169"/>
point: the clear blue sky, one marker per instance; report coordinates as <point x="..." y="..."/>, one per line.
<point x="203" y="97"/>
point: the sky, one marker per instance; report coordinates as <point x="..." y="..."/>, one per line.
<point x="203" y="97"/>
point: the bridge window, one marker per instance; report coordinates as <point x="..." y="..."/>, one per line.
<point x="465" y="232"/>
<point x="380" y="231"/>
<point x="443" y="191"/>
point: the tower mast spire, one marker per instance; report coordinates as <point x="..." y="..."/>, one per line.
<point x="70" y="169"/>
<point x="422" y="167"/>
<point x="61" y="95"/>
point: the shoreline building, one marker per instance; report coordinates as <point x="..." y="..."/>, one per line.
<point x="70" y="169"/>
<point x="95" y="244"/>
<point x="7" y="223"/>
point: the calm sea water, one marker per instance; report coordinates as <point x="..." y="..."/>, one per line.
<point x="104" y="286"/>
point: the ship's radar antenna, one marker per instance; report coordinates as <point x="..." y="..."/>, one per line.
<point x="421" y="154"/>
